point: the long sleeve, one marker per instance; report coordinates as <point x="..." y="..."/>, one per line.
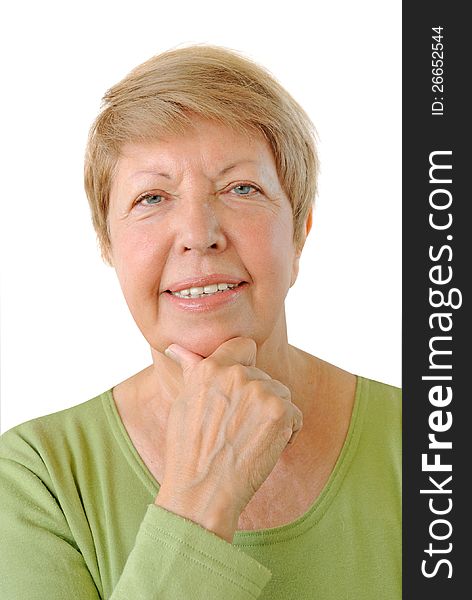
<point x="38" y="558"/>
<point x="78" y="519"/>
<point x="176" y="558"/>
<point x="172" y="557"/>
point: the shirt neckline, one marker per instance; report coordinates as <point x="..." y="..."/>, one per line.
<point x="273" y="534"/>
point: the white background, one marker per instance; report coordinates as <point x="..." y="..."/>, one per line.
<point x="66" y="334"/>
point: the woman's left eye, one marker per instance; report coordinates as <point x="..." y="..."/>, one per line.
<point x="149" y="199"/>
<point x="243" y="189"/>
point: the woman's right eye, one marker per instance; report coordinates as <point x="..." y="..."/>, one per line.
<point x="149" y="199"/>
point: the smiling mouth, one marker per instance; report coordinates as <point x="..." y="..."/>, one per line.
<point x="204" y="291"/>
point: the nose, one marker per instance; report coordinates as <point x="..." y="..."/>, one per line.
<point x="199" y="227"/>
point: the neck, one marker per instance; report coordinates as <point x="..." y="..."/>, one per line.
<point x="275" y="356"/>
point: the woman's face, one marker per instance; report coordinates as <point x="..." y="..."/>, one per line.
<point x="192" y="211"/>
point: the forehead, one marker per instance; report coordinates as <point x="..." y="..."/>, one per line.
<point x="206" y="144"/>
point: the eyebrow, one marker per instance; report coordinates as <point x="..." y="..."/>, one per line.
<point x="236" y="164"/>
<point x="167" y="176"/>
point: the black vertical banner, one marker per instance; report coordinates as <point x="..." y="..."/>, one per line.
<point x="437" y="332"/>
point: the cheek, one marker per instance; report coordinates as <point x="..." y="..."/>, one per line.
<point x="268" y="249"/>
<point x="138" y="263"/>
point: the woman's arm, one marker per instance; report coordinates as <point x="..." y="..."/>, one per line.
<point x="172" y="558"/>
<point x="225" y="432"/>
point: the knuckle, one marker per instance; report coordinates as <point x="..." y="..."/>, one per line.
<point x="209" y="366"/>
<point x="272" y="397"/>
<point x="237" y="372"/>
<point x="250" y="344"/>
<point x="277" y="410"/>
<point x="258" y="388"/>
<point x="284" y="391"/>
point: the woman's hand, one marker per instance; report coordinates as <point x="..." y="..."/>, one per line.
<point x="225" y="433"/>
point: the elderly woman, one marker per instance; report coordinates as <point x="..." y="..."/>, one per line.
<point x="235" y="466"/>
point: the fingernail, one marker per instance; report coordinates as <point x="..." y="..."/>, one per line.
<point x="168" y="352"/>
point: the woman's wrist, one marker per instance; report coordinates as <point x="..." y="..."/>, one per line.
<point x="215" y="516"/>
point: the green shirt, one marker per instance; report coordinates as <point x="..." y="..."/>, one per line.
<point x="78" y="520"/>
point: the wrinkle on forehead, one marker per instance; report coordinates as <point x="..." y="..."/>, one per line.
<point x="215" y="155"/>
<point x="157" y="173"/>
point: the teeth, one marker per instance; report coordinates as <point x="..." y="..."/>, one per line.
<point x="195" y="292"/>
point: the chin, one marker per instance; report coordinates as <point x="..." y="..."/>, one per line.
<point x="205" y="343"/>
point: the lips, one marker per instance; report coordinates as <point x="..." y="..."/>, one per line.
<point x="192" y="301"/>
<point x="200" y="282"/>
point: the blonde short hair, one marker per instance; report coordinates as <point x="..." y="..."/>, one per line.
<point x="159" y="97"/>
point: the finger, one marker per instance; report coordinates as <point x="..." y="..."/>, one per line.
<point x="293" y="438"/>
<point x="255" y="373"/>
<point x="297" y="424"/>
<point x="237" y="350"/>
<point x="297" y="421"/>
<point x="278" y="388"/>
<point x="185" y="358"/>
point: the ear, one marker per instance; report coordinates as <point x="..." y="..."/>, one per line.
<point x="308" y="223"/>
<point x="298" y="252"/>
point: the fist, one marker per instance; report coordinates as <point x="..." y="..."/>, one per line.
<point x="225" y="432"/>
